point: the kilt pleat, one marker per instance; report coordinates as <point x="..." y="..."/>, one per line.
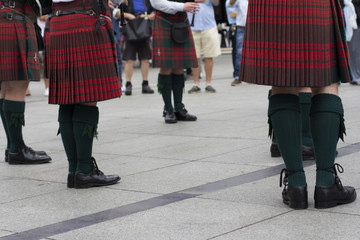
<point x="295" y="43"/>
<point x="166" y="53"/>
<point x="18" y="46"/>
<point x="82" y="62"/>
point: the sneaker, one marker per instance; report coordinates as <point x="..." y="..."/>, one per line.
<point x="210" y="89"/>
<point x="128" y="90"/>
<point x="46" y="93"/>
<point x="147" y="89"/>
<point x="194" y="89"/>
<point x="236" y="82"/>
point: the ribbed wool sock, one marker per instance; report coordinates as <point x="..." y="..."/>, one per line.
<point x="67" y="134"/>
<point x="178" y="83"/>
<point x="3" y="119"/>
<point x="85" y="120"/>
<point x="305" y="103"/>
<point x="164" y="88"/>
<point x="15" y="120"/>
<point x="285" y="118"/>
<point x="327" y="125"/>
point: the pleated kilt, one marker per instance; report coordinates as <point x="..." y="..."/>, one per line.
<point x="46" y="45"/>
<point x="294" y="43"/>
<point x="19" y="59"/>
<point x="166" y="53"/>
<point x="82" y="62"/>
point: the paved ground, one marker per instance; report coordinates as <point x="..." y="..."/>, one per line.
<point x="210" y="179"/>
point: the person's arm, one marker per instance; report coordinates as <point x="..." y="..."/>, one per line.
<point x="167" y="6"/>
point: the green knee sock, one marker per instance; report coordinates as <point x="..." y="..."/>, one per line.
<point x="271" y="133"/>
<point x="85" y="120"/>
<point x="14" y="116"/>
<point x="327" y="125"/>
<point x="305" y="103"/>
<point x="164" y="88"/>
<point x="178" y="83"/>
<point x="3" y="119"/>
<point x="285" y="118"/>
<point x="67" y="134"/>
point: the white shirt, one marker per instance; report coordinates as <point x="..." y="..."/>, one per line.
<point x="167" y="6"/>
<point x="241" y="11"/>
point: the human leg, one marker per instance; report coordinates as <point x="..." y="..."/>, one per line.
<point x="85" y="119"/>
<point x="327" y="126"/>
<point x="165" y="89"/>
<point x="13" y="110"/>
<point x="285" y="119"/>
<point x="238" y="50"/>
<point x="178" y="81"/>
<point x="145" y="73"/>
<point x="129" y="69"/>
<point x="209" y="65"/>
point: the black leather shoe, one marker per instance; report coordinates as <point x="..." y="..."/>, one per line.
<point x="147" y="89"/>
<point x="169" y="116"/>
<point x="327" y="197"/>
<point x="183" y="115"/>
<point x="295" y="197"/>
<point x="26" y="155"/>
<point x="128" y="90"/>
<point x="71" y="180"/>
<point x="307" y="152"/>
<point x="95" y="178"/>
<point x="28" y="149"/>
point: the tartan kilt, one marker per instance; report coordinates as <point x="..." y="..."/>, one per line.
<point x="297" y="43"/>
<point x="82" y="62"/>
<point x="166" y="53"/>
<point x="46" y="46"/>
<point x="19" y="59"/>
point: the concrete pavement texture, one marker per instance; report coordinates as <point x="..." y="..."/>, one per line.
<point x="209" y="179"/>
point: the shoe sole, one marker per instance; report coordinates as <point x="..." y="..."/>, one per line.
<point x="148" y="92"/>
<point x="18" y="162"/>
<point x="210" y="91"/>
<point x="127" y="94"/>
<point x="90" y="185"/>
<point x="194" y="92"/>
<point x="171" y="121"/>
<point x="297" y="205"/>
<point x="330" y="204"/>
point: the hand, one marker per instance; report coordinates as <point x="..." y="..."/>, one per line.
<point x="191" y="7"/>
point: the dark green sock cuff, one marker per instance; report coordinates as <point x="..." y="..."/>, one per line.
<point x="65" y="113"/>
<point x="13" y="106"/>
<point x="305" y="97"/>
<point x="326" y="103"/>
<point x="163" y="82"/>
<point x="1" y="104"/>
<point x="86" y="114"/>
<point x="283" y="101"/>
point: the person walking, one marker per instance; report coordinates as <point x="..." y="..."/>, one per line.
<point x="274" y="55"/>
<point x="206" y="39"/>
<point x="19" y="64"/>
<point x="82" y="31"/>
<point x="171" y="77"/>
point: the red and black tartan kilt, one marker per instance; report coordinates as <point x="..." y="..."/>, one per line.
<point x="296" y="43"/>
<point x="19" y="59"/>
<point x="82" y="61"/>
<point x="46" y="45"/>
<point x="166" y="53"/>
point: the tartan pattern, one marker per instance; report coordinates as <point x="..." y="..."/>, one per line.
<point x="82" y="62"/>
<point x="294" y="43"/>
<point x="46" y="46"/>
<point x="166" y="53"/>
<point x="18" y="45"/>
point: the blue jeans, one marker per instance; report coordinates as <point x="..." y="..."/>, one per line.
<point x="239" y="44"/>
<point x="119" y="58"/>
